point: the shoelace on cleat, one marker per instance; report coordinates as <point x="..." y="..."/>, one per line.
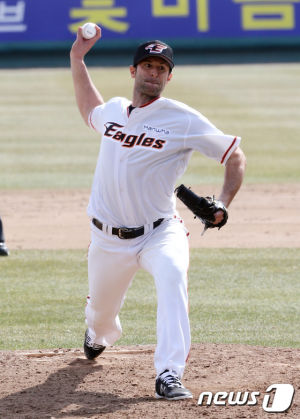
<point x="94" y="346"/>
<point x="171" y="381"/>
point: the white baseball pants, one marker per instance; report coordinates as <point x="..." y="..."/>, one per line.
<point x="112" y="264"/>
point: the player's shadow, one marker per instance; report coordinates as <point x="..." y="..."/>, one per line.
<point x="60" y="396"/>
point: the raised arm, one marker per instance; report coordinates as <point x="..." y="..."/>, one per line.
<point x="87" y="96"/>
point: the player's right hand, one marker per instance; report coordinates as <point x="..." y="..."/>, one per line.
<point x="81" y="45"/>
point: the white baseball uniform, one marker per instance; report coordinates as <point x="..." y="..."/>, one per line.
<point x="142" y="155"/>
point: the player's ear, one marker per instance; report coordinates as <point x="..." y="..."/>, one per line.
<point x="132" y="70"/>
<point x="170" y="76"/>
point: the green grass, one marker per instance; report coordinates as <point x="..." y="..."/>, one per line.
<point x="45" y="144"/>
<point x="236" y="296"/>
<point x="42" y="298"/>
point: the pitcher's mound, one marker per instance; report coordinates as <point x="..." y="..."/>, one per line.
<point x="61" y="383"/>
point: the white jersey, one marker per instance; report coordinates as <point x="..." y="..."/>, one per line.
<point x="142" y="155"/>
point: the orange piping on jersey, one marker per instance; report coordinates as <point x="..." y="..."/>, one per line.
<point x="232" y="144"/>
<point x="145" y="104"/>
<point x="90" y="116"/>
<point x="151" y="101"/>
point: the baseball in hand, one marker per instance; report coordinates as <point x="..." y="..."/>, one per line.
<point x="89" y="30"/>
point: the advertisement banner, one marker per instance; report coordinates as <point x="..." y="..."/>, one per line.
<point x="202" y="20"/>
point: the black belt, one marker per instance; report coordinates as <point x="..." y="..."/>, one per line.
<point x="127" y="233"/>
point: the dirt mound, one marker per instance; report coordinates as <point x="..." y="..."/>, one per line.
<point x="63" y="384"/>
<point x="260" y="216"/>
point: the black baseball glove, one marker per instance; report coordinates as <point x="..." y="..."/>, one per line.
<point x="203" y="208"/>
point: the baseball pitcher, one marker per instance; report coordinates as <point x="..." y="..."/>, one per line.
<point x="146" y="146"/>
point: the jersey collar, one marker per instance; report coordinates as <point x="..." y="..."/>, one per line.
<point x="143" y="106"/>
<point x="149" y="103"/>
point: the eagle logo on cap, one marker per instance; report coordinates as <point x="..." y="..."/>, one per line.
<point x="156" y="48"/>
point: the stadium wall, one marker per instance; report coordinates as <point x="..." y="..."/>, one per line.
<point x="188" y="25"/>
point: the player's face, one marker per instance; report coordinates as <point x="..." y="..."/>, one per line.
<point x="151" y="75"/>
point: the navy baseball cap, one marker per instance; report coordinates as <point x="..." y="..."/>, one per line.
<point x="154" y="49"/>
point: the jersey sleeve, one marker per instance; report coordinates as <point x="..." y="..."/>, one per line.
<point x="95" y="118"/>
<point x="204" y="137"/>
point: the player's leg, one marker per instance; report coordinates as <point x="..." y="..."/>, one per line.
<point x="110" y="274"/>
<point x="166" y="257"/>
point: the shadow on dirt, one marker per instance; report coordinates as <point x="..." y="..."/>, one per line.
<point x="60" y="396"/>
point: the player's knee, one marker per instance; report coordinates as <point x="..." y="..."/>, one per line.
<point x="174" y="274"/>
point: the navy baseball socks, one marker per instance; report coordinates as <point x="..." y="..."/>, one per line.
<point x="168" y="386"/>
<point x="91" y="350"/>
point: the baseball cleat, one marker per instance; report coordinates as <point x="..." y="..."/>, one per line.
<point x="91" y="350"/>
<point x="168" y="386"/>
<point x="3" y="249"/>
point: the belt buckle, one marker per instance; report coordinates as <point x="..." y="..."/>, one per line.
<point x="121" y="231"/>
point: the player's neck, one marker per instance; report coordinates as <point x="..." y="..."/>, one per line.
<point x="139" y="101"/>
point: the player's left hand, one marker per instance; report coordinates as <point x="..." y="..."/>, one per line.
<point x="219" y="216"/>
<point x="209" y="210"/>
